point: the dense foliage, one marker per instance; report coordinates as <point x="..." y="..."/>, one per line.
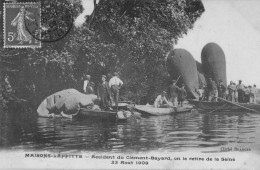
<point x="131" y="37"/>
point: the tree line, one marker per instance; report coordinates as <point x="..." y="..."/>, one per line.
<point x="131" y="37"/>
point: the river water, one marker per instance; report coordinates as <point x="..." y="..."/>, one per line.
<point x="180" y="132"/>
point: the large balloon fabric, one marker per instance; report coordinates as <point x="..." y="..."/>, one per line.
<point x="214" y="62"/>
<point x="181" y="63"/>
<point x="201" y="75"/>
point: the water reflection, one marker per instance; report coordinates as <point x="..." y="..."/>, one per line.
<point x="172" y="133"/>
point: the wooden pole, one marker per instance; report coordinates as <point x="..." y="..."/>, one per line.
<point x="117" y="97"/>
<point x="177" y="79"/>
<point x="252" y="110"/>
<point x="218" y="108"/>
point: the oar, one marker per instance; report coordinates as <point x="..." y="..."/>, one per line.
<point x="252" y="110"/>
<point x="117" y="101"/>
<point x="175" y="108"/>
<point x="218" y="108"/>
<point x="178" y="79"/>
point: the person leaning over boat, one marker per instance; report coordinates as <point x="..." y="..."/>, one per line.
<point x="86" y="82"/>
<point x="161" y="101"/>
<point x="201" y="92"/>
<point x="241" y="92"/>
<point x="221" y="90"/>
<point x="182" y="94"/>
<point x="103" y="93"/>
<point x="213" y="91"/>
<point x="115" y="84"/>
<point x="173" y="93"/>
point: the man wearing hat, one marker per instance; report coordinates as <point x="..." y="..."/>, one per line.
<point x="182" y="94"/>
<point x="161" y="101"/>
<point x="103" y="93"/>
<point x="241" y="92"/>
<point x="86" y="81"/>
<point x="115" y="84"/>
<point x="173" y="93"/>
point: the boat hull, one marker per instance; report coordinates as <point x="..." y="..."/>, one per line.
<point x="152" y="111"/>
<point x="223" y="106"/>
<point x="87" y="113"/>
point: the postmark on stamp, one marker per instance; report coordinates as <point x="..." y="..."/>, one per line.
<point x="56" y="21"/>
<point x="15" y="16"/>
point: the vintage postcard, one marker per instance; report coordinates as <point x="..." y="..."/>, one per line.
<point x="130" y="84"/>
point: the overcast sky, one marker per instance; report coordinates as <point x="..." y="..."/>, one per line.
<point x="235" y="26"/>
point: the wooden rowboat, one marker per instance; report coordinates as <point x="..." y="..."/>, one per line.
<point x="149" y="110"/>
<point x="108" y="115"/>
<point x="223" y="106"/>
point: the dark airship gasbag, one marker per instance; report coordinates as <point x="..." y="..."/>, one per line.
<point x="181" y="62"/>
<point x="201" y="75"/>
<point x="214" y="62"/>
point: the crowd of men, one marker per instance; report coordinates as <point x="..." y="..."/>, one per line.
<point x="107" y="91"/>
<point x="172" y="98"/>
<point x="233" y="92"/>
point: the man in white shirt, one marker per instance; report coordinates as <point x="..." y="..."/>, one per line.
<point x="115" y="84"/>
<point x="253" y="92"/>
<point x="85" y="84"/>
<point x="161" y="101"/>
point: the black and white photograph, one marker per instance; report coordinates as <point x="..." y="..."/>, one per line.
<point x="130" y="84"/>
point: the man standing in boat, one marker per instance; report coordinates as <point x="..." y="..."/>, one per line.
<point x="236" y="93"/>
<point x="115" y="84"/>
<point x="247" y="94"/>
<point x="161" y="101"/>
<point x="182" y="94"/>
<point x="85" y="83"/>
<point x="231" y="91"/>
<point x="173" y="93"/>
<point x="240" y="91"/>
<point x="213" y="91"/>
<point x="252" y="94"/>
<point x="221" y="90"/>
<point x="90" y="88"/>
<point x="103" y="93"/>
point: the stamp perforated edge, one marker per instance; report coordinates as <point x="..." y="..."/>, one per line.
<point x="4" y="30"/>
